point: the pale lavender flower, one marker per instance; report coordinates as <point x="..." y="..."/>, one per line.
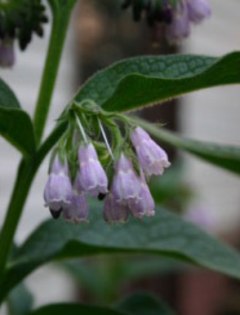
<point x="143" y="205"/>
<point x="114" y="212"/>
<point x="126" y="184"/>
<point x="202" y="217"/>
<point x="179" y="28"/>
<point x="91" y="176"/>
<point x="198" y="10"/>
<point x="58" y="189"/>
<point x="7" y="56"/>
<point x="77" y="210"/>
<point x="152" y="158"/>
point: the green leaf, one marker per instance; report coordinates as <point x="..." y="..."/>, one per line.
<point x="144" y="304"/>
<point x="165" y="234"/>
<point x="7" y="97"/>
<point x="104" y="277"/>
<point x="20" y="301"/>
<point x="224" y="156"/>
<point x="75" y="309"/>
<point x="15" y="124"/>
<point x="133" y="83"/>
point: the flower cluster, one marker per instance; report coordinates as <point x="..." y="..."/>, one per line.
<point x="176" y="15"/>
<point x="130" y="163"/>
<point x="19" y="19"/>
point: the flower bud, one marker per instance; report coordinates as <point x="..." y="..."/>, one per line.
<point x="179" y="27"/>
<point x="114" y="212"/>
<point x="198" y="10"/>
<point x="58" y="189"/>
<point x="152" y="158"/>
<point x="77" y="210"/>
<point x="91" y="177"/>
<point x="126" y="185"/>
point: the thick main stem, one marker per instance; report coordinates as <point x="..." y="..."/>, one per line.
<point x="26" y="172"/>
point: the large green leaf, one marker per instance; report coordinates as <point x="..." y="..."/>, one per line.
<point x="225" y="156"/>
<point x="165" y="234"/>
<point x="144" y="304"/>
<point x="75" y="309"/>
<point x="15" y="124"/>
<point x="142" y="81"/>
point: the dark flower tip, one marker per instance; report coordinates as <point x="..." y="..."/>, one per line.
<point x="55" y="213"/>
<point x="101" y="196"/>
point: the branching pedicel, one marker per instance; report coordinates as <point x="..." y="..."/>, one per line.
<point x="86" y="162"/>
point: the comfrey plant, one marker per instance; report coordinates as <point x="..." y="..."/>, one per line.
<point x="175" y="15"/>
<point x="101" y="151"/>
<point x="76" y="170"/>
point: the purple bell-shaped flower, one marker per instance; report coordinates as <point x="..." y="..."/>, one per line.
<point x="91" y="177"/>
<point x="152" y="158"/>
<point x="198" y="10"/>
<point x="58" y="189"/>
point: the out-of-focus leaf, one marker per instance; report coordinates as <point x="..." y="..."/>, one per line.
<point x="104" y="277"/>
<point x="144" y="304"/>
<point x="20" y="301"/>
<point x="170" y="190"/>
<point x="15" y="124"/>
<point x="75" y="309"/>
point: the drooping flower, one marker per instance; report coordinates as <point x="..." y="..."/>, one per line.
<point x="152" y="158"/>
<point x="7" y="55"/>
<point x="198" y="10"/>
<point x="91" y="176"/>
<point x="143" y="205"/>
<point x="58" y="189"/>
<point x="129" y="194"/>
<point x="179" y="28"/>
<point x="77" y="210"/>
<point x="126" y="184"/>
<point x="114" y="212"/>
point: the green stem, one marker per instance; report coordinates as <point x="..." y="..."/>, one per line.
<point x="58" y="34"/>
<point x="26" y="172"/>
